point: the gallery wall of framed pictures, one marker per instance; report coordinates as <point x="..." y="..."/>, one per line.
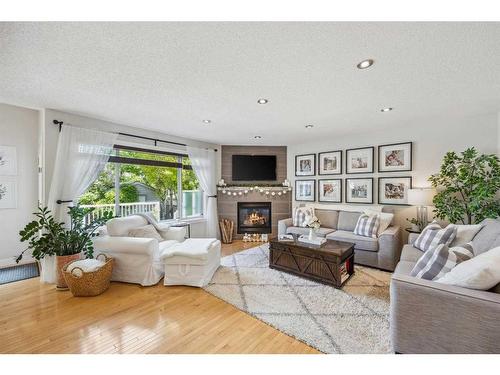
<point x="391" y="158"/>
<point x="8" y="179"/>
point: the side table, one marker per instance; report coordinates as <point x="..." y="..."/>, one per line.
<point x="181" y="224"/>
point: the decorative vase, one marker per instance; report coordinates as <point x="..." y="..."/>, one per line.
<point x="61" y="261"/>
<point x="415" y="227"/>
<point x="312" y="234"/>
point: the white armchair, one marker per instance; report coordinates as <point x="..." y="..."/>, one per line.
<point x="137" y="260"/>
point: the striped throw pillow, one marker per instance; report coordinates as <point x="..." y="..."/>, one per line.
<point x="367" y="226"/>
<point x="300" y="214"/>
<point x="433" y="235"/>
<point x="437" y="262"/>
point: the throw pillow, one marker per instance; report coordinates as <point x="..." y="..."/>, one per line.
<point x="300" y="214"/>
<point x="465" y="234"/>
<point x="437" y="262"/>
<point x="367" y="226"/>
<point x="147" y="231"/>
<point x="481" y="272"/>
<point x="433" y="235"/>
<point x="385" y="219"/>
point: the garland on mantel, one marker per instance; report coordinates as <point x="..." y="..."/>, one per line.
<point x="265" y="189"/>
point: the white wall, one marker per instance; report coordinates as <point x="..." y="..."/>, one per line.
<point x="51" y="132"/>
<point x="19" y="128"/>
<point x="498" y="135"/>
<point x="431" y="138"/>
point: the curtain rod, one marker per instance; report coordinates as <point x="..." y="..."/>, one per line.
<point x="155" y="140"/>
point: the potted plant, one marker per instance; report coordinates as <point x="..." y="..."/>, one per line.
<point x="467" y="186"/>
<point x="46" y="236"/>
<point x="416" y="225"/>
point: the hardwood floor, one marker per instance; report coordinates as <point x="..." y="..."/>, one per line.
<point x="35" y="318"/>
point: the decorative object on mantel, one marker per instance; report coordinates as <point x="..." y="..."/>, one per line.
<point x="274" y="190"/>
<point x="226" y="230"/>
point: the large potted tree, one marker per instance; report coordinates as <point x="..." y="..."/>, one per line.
<point x="46" y="236"/>
<point x="468" y="186"/>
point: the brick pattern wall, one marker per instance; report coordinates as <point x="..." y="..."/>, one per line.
<point x="281" y="207"/>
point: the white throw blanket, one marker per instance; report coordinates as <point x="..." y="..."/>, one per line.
<point x="152" y="220"/>
<point x="196" y="248"/>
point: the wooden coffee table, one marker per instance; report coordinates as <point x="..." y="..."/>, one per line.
<point x="331" y="263"/>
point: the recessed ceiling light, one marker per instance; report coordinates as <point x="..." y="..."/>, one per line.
<point x="365" y="64"/>
<point x="262" y="101"/>
<point x="386" y="109"/>
<point x="257" y="137"/>
<point x="207" y="121"/>
<point x="309" y="126"/>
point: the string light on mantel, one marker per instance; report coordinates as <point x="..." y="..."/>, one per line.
<point x="268" y="190"/>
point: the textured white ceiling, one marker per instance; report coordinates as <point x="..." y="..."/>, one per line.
<point x="170" y="76"/>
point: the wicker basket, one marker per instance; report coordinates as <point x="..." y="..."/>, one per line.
<point x="89" y="283"/>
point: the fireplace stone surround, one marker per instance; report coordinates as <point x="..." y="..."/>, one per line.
<point x="281" y="206"/>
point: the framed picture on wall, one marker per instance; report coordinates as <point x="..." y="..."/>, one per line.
<point x="330" y="191"/>
<point x="8" y="192"/>
<point x="8" y="161"/>
<point x="330" y="163"/>
<point x="305" y="190"/>
<point x="395" y="157"/>
<point x="359" y="190"/>
<point x="393" y="190"/>
<point x="305" y="165"/>
<point x="359" y="160"/>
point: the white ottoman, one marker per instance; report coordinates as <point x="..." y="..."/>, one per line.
<point x="192" y="262"/>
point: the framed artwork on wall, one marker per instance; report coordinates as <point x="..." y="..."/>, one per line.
<point x="8" y="161"/>
<point x="305" y="165"/>
<point x="393" y="190"/>
<point x="330" y="163"/>
<point x="359" y="190"/>
<point x="359" y="160"/>
<point x="396" y="157"/>
<point x="330" y="191"/>
<point x="305" y="190"/>
<point x="8" y="192"/>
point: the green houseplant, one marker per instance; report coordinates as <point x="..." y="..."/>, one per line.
<point x="46" y="236"/>
<point x="467" y="186"/>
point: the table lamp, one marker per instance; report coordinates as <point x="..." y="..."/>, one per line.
<point x="421" y="197"/>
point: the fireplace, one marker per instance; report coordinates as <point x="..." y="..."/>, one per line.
<point x="254" y="217"/>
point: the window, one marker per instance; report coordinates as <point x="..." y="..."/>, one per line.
<point x="137" y="180"/>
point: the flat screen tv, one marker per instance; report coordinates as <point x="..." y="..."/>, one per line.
<point x="254" y="167"/>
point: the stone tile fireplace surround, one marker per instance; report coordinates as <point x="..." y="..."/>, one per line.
<point x="281" y="206"/>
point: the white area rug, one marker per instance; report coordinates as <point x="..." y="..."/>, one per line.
<point x="354" y="319"/>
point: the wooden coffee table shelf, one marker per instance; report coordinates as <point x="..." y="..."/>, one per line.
<point x="319" y="263"/>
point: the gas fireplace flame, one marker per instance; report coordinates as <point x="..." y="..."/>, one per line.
<point x="255" y="218"/>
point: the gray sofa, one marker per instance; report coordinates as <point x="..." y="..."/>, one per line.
<point x="429" y="317"/>
<point x="382" y="252"/>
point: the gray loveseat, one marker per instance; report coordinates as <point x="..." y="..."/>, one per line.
<point x="382" y="252"/>
<point x="429" y="317"/>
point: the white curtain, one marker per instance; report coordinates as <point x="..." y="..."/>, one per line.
<point x="81" y="156"/>
<point x="205" y="166"/>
